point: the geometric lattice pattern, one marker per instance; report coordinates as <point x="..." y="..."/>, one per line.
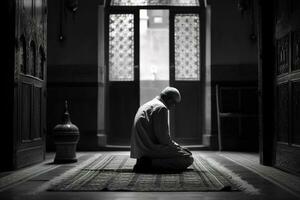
<point x="121" y="47"/>
<point x="187" y="47"/>
<point x="154" y="3"/>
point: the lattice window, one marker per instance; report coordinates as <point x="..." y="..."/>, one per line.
<point x="187" y="47"/>
<point x="121" y="47"/>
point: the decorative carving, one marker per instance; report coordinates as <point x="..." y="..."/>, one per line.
<point x="32" y="59"/>
<point x="22" y="55"/>
<point x="296" y="50"/>
<point x="283" y="55"/>
<point x="283" y="112"/>
<point x="31" y="20"/>
<point x="17" y="60"/>
<point x="41" y="64"/>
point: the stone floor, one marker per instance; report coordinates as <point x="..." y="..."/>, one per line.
<point x="272" y="184"/>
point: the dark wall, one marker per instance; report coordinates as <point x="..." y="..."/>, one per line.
<point x="79" y="45"/>
<point x="230" y="32"/>
<point x="73" y="68"/>
<point x="233" y="53"/>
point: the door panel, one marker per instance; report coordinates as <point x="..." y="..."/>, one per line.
<point x="37" y="113"/>
<point x="30" y="68"/>
<point x="25" y="112"/>
<point x="186" y="76"/>
<point x="283" y="112"/>
<point x="186" y="118"/>
<point x="122" y="74"/>
<point x="123" y="105"/>
<point x="287" y="26"/>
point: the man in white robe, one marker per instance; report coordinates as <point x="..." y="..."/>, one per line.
<point x="151" y="143"/>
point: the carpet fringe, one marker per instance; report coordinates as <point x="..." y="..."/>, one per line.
<point x="64" y="176"/>
<point x="236" y="179"/>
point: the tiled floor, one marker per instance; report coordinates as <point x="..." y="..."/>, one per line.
<point x="272" y="184"/>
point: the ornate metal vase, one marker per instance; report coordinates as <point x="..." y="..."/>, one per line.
<point x="66" y="137"/>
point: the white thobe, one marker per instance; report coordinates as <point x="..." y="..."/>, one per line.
<point x="150" y="133"/>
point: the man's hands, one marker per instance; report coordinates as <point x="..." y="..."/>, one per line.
<point x="185" y="151"/>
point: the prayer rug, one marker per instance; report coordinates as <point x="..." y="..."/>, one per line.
<point x="114" y="173"/>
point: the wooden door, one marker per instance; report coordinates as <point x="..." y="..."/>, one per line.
<point x="122" y="59"/>
<point x="287" y="43"/>
<point x="30" y="82"/>
<point x="186" y="67"/>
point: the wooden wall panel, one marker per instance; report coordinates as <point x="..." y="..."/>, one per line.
<point x="249" y="127"/>
<point x="287" y="26"/>
<point x="282" y="112"/>
<point x="230" y="100"/>
<point x="295" y="138"/>
<point x="230" y="127"/>
<point x="295" y="5"/>
<point x="25" y="118"/>
<point x="237" y="118"/>
<point x="37" y="114"/>
<point x="249" y="101"/>
<point x="288" y="158"/>
<point x="29" y="156"/>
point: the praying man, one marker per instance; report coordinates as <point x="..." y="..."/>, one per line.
<point x="151" y="143"/>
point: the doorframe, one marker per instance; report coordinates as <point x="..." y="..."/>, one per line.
<point x="204" y="62"/>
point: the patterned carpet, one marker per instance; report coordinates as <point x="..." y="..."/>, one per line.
<point x="114" y="173"/>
